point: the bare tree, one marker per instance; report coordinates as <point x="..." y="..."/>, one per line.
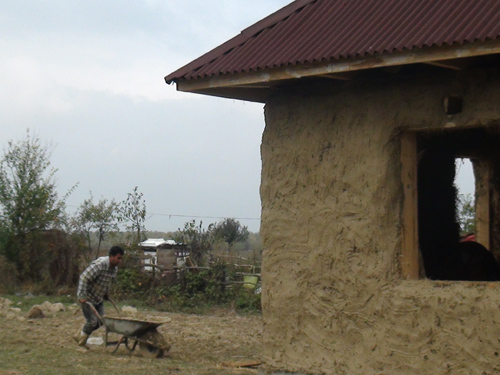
<point x="132" y="211"/>
<point x="100" y="217"/>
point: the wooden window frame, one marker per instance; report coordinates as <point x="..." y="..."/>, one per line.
<point x="410" y="259"/>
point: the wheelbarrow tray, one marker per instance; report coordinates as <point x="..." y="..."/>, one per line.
<point x="152" y="344"/>
<point x="129" y="327"/>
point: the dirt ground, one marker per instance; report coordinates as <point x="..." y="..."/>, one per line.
<point x="209" y="344"/>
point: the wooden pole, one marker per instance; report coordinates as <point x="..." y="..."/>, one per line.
<point x="409" y="217"/>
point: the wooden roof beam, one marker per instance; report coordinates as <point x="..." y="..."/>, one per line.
<point x="454" y="64"/>
<point x="431" y="55"/>
<point x="338" y="76"/>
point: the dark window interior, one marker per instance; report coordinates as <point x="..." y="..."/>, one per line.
<point x="444" y="256"/>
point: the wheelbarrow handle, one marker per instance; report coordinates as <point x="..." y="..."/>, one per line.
<point x="114" y="304"/>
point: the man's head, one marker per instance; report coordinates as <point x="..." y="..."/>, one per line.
<point x="115" y="256"/>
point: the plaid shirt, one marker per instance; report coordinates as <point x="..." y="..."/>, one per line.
<point x="95" y="280"/>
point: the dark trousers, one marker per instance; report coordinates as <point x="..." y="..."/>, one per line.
<point x="93" y="321"/>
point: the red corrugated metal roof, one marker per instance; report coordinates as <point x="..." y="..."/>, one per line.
<point x="309" y="31"/>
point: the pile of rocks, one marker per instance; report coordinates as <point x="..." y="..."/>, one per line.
<point x="46" y="309"/>
<point x="8" y="311"/>
<point x="4" y="305"/>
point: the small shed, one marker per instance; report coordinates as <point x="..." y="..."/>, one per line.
<point x="367" y="104"/>
<point x="164" y="253"/>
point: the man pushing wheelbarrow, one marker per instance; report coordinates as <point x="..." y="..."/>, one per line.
<point x="93" y="290"/>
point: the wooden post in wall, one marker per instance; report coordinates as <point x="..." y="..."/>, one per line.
<point x="409" y="251"/>
<point x="482" y="176"/>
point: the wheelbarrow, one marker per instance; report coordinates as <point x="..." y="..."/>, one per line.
<point x="152" y="344"/>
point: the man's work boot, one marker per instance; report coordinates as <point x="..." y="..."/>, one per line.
<point x="81" y="339"/>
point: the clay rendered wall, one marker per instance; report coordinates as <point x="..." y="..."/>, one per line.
<point x="334" y="301"/>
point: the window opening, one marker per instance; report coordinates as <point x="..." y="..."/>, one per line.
<point x="443" y="255"/>
<point x="466" y="211"/>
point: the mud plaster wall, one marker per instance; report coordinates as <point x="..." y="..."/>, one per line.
<point x="334" y="301"/>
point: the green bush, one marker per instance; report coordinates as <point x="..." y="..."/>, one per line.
<point x="194" y="290"/>
<point x="128" y="281"/>
<point x="248" y="301"/>
<point x="186" y="290"/>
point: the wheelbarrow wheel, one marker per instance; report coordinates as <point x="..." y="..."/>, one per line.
<point x="157" y="347"/>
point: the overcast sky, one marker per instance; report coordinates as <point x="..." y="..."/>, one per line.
<point x="88" y="77"/>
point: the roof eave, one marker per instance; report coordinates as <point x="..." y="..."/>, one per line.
<point x="256" y="85"/>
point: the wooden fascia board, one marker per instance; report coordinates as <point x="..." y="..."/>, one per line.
<point x="247" y="94"/>
<point x="424" y="55"/>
